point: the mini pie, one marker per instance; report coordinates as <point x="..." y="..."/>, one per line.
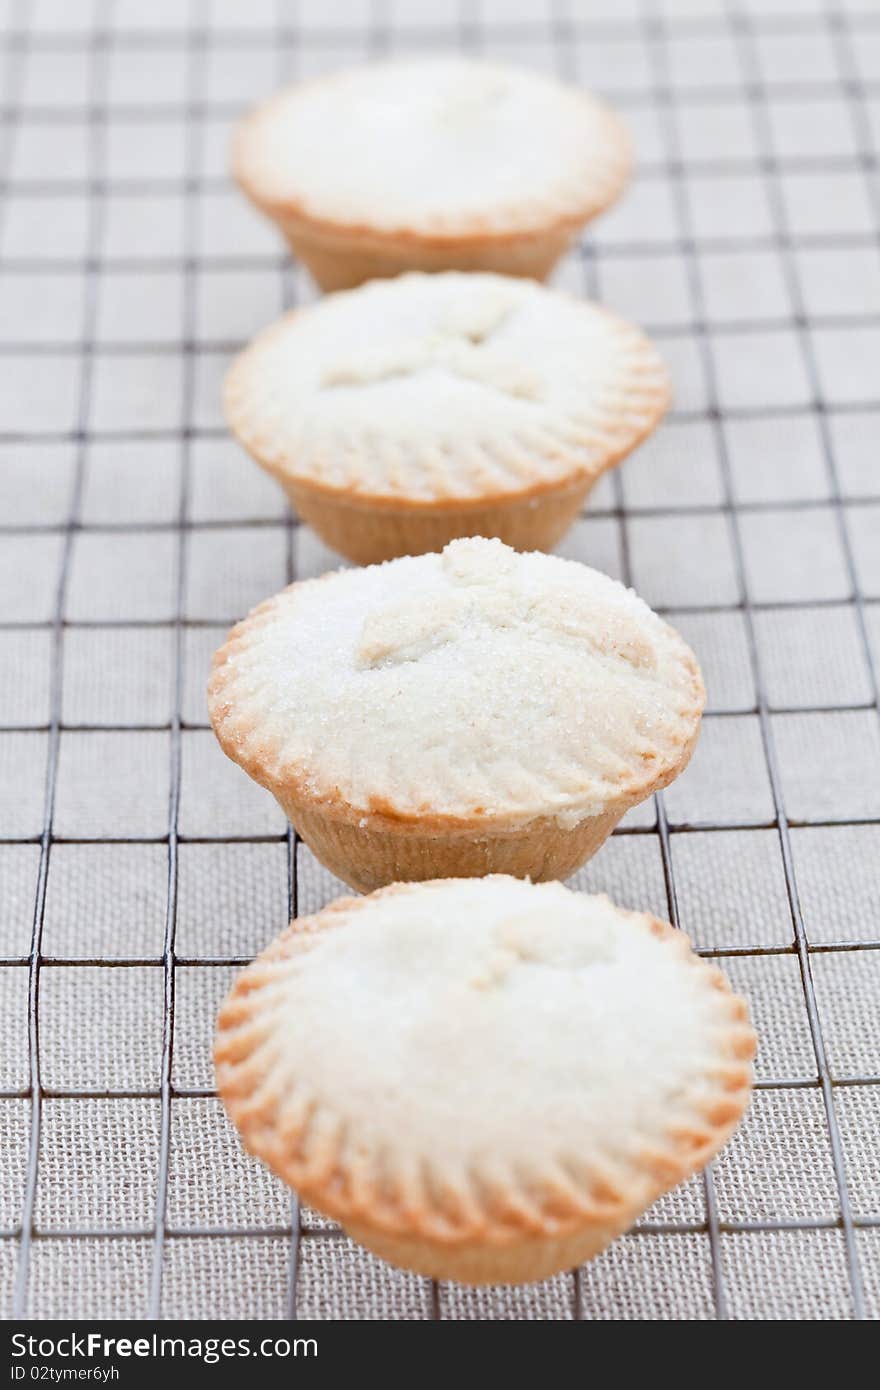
<point x="430" y="164"/>
<point x="483" y="1079"/>
<point x="402" y="415"/>
<point x="475" y="712"/>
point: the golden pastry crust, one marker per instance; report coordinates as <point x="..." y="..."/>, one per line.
<point x="470" y="405"/>
<point x="496" y="1201"/>
<point x="368" y="533"/>
<point x="425" y="188"/>
<point x="535" y="701"/>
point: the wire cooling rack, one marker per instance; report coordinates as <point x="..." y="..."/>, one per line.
<point x="139" y="868"/>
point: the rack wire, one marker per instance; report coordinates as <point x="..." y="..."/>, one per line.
<point x="138" y="871"/>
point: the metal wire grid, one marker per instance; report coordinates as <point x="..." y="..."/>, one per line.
<point x="558" y="27"/>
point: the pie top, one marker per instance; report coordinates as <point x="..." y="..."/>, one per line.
<point x="438" y="387"/>
<point x="477" y="685"/>
<point x="442" y="148"/>
<point x="466" y="1048"/>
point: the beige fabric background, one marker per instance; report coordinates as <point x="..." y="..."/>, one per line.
<point x="130" y="271"/>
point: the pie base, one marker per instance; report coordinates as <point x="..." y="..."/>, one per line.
<point x="339" y="262"/>
<point x="371" y="852"/>
<point x="370" y="534"/>
<point x="520" y="1262"/>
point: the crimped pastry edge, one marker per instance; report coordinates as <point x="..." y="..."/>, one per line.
<point x="640" y="401"/>
<point x="527" y="1232"/>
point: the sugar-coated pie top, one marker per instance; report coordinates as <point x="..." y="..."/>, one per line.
<point x="479" y="1053"/>
<point x="476" y="685"/>
<point x="438" y="387"/>
<point x="442" y="148"/>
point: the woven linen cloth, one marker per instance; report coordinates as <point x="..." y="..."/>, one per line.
<point x="134" y="532"/>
